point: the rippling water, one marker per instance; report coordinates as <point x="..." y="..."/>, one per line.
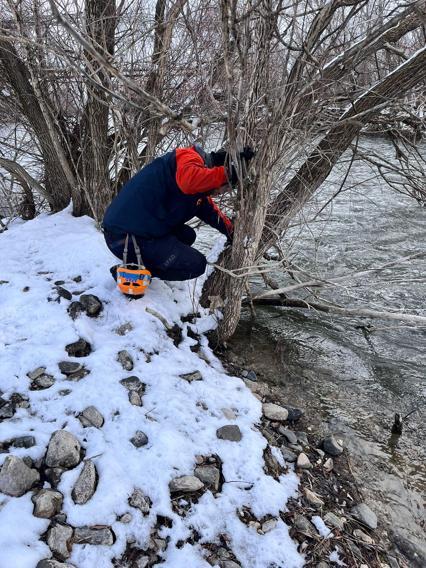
<point x="354" y="381"/>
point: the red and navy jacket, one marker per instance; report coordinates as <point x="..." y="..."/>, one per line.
<point x="165" y="194"/>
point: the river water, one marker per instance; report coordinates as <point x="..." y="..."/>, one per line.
<point x="351" y="380"/>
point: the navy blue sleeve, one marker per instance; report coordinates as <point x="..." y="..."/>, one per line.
<point x="210" y="213"/>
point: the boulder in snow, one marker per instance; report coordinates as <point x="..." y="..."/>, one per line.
<point x="126" y="360"/>
<point x="274" y="412"/>
<point x="91" y="417"/>
<point x="47" y="503"/>
<point x="80" y="348"/>
<point x="85" y="485"/>
<point x="16" y="478"/>
<point x="94" y="535"/>
<point x="59" y="540"/>
<point x="140" y="501"/>
<point x="186" y="484"/>
<point x="92" y="304"/>
<point x="229" y="432"/>
<point x="209" y="475"/>
<point x="63" y="450"/>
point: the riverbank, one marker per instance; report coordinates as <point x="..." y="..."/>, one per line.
<point x="355" y="474"/>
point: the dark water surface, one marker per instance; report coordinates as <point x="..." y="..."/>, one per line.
<point x="350" y="380"/>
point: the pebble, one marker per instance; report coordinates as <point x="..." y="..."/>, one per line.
<point x="328" y="465"/>
<point x="47" y="503"/>
<point x="361" y="535"/>
<point x="269" y="525"/>
<point x="92" y="304"/>
<point x="133" y="384"/>
<point x="332" y="446"/>
<point x="186" y="484"/>
<point x="135" y="398"/>
<point x="140" y="501"/>
<point x="126" y="360"/>
<point x="63" y="293"/>
<point x="141" y="562"/>
<point x="36" y="373"/>
<point x="139" y="439"/>
<point x="80" y="348"/>
<point x="230" y="432"/>
<point x="190" y="377"/>
<point x="53" y="475"/>
<point x="85" y="485"/>
<point x="126" y="518"/>
<point x="288" y="455"/>
<point x="42" y="382"/>
<point x="304" y="526"/>
<point x="274" y="412"/>
<point x="7" y="409"/>
<point x="24" y="442"/>
<point x="94" y="535"/>
<point x="50" y="563"/>
<point x="91" y="417"/>
<point x="302" y="438"/>
<point x="124" y="328"/>
<point x="294" y="414"/>
<point x="334" y="521"/>
<point x="312" y="498"/>
<point x="365" y="515"/>
<point x="303" y="461"/>
<point x="63" y="450"/>
<point x="59" y="540"/>
<point x="209" y="475"/>
<point x="69" y="367"/>
<point x="16" y="478"/>
<point x="289" y="435"/>
<point x="75" y="309"/>
<point x="251" y="375"/>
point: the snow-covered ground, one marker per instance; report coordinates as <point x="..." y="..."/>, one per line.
<point x="180" y="418"/>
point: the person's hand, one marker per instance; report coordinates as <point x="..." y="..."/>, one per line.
<point x="218" y="158"/>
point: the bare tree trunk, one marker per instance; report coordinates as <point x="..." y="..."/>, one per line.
<point x="58" y="188"/>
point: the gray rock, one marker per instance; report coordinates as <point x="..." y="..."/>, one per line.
<point x="80" y="348"/>
<point x="302" y="438"/>
<point x="59" y="540"/>
<point x="133" y="384"/>
<point x="209" y="475"/>
<point x="186" y="484"/>
<point x="303" y="461"/>
<point x="294" y="414"/>
<point x="126" y="518"/>
<point x="274" y="412"/>
<point x="229" y="432"/>
<point x="142" y="562"/>
<point x="190" y="377"/>
<point x="360" y="535"/>
<point x="42" y="382"/>
<point x="63" y="450"/>
<point x="53" y="475"/>
<point x="91" y="304"/>
<point x="269" y="525"/>
<point x="288" y="455"/>
<point x="139" y="439"/>
<point x="332" y="446"/>
<point x="50" y="563"/>
<point x="126" y="360"/>
<point x="69" y="367"/>
<point x="322" y="565"/>
<point x="75" y="309"/>
<point x="24" y="442"/>
<point x="304" y="526"/>
<point x="7" y="410"/>
<point x="91" y="417"/>
<point x="334" y="521"/>
<point x="85" y="485"/>
<point x="140" y="501"/>
<point x="94" y="535"/>
<point x="36" y="373"/>
<point x="229" y="414"/>
<point x="229" y="564"/>
<point x="251" y="376"/>
<point x="365" y="515"/>
<point x="16" y="478"/>
<point x="135" y="398"/>
<point x="289" y="435"/>
<point x="64" y="293"/>
<point x="124" y="328"/>
<point x="47" y="503"/>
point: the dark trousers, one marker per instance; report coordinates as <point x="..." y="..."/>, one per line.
<point x="170" y="257"/>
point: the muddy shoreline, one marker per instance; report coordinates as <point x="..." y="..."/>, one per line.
<point x="346" y="484"/>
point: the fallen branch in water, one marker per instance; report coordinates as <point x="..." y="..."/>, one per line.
<point x="333" y="309"/>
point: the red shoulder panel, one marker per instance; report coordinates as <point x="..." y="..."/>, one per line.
<point x="192" y="176"/>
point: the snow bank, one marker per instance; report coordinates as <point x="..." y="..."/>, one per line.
<point x="180" y="418"/>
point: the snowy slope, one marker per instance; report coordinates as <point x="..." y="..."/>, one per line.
<point x="180" y="418"/>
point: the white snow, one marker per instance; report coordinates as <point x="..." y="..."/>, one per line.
<point x="321" y="527"/>
<point x="179" y="418"/>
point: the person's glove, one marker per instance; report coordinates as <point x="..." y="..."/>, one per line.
<point x="247" y="154"/>
<point x="218" y="158"/>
